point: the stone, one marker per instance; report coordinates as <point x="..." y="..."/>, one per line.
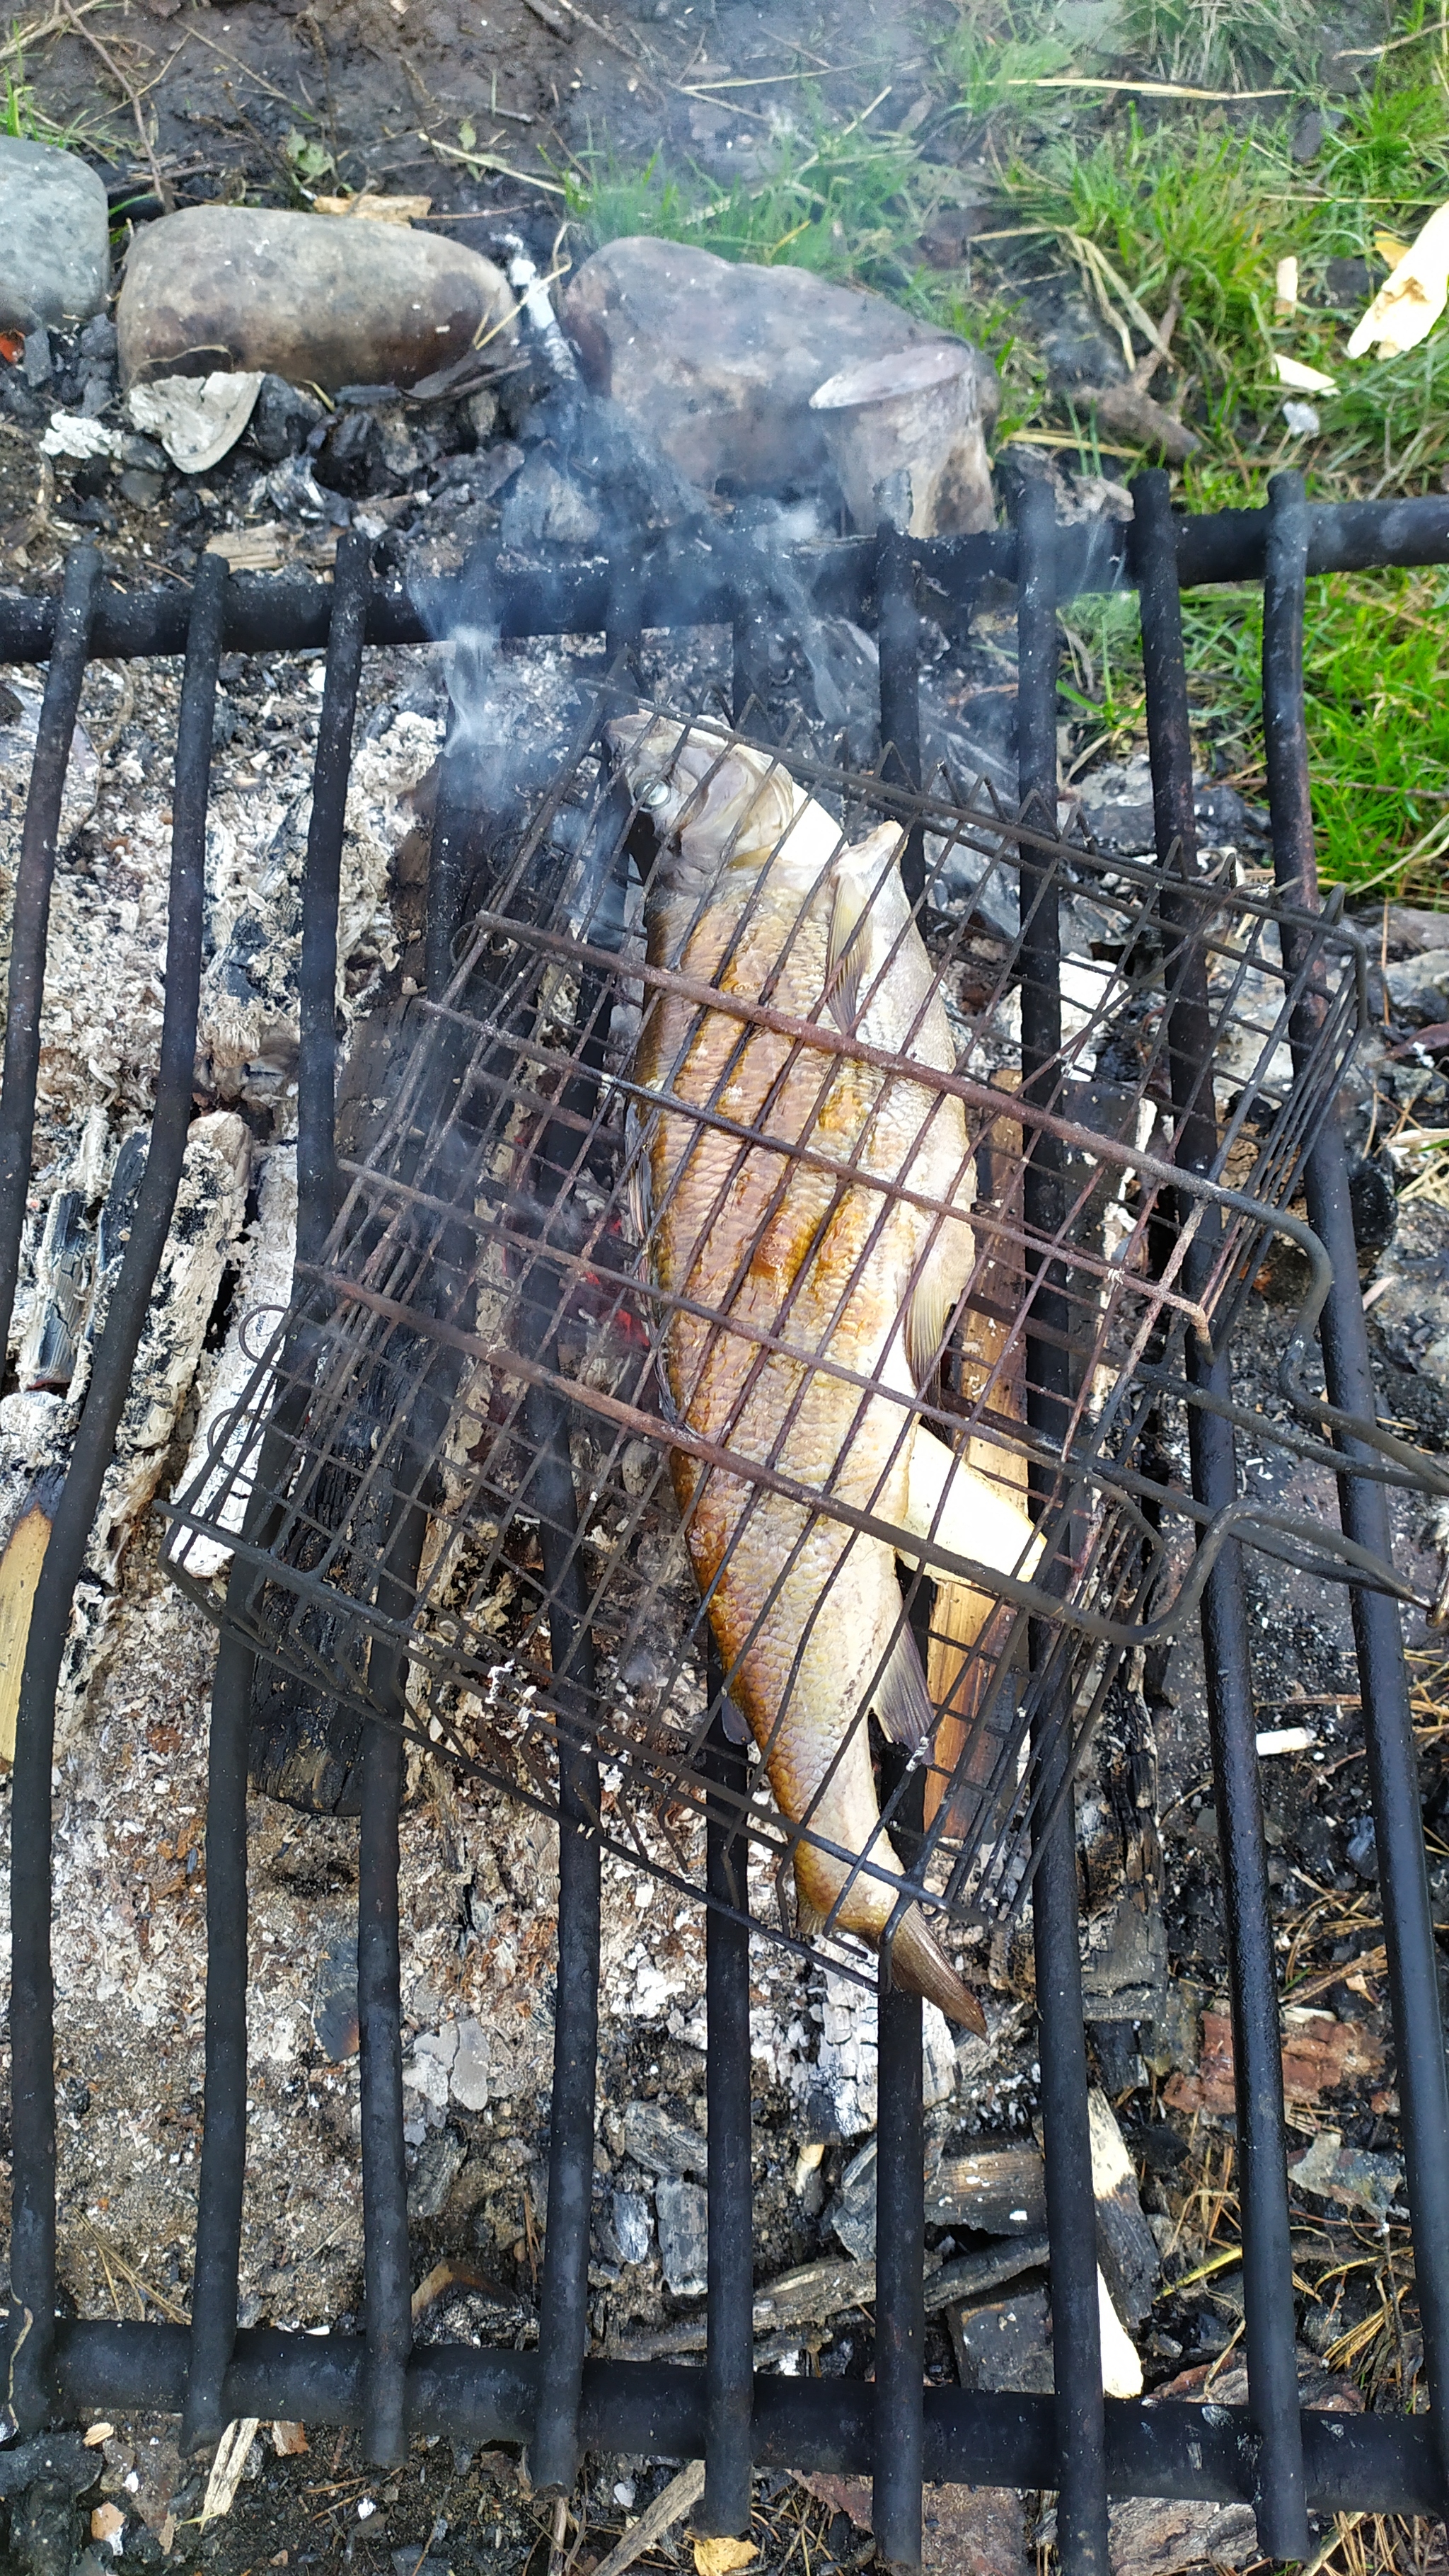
<point x="716" y="360"/>
<point x="682" y="2210"/>
<point x="1418" y="988"/>
<point x="661" y="2144"/>
<point x="55" y="252"/>
<point x="301" y="296"/>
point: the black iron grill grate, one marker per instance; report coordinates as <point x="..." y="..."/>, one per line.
<point x="494" y="1250"/>
<point x="1212" y="1185"/>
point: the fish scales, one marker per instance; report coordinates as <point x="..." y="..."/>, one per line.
<point x="848" y="1278"/>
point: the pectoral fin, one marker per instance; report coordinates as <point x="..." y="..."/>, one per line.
<point x="902" y="1702"/>
<point x="864" y="921"/>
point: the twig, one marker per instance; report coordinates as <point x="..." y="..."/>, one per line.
<point x="21" y="39"/>
<point x="1142" y="89"/>
<point x="162" y="186"/>
<point x="669" y="2507"/>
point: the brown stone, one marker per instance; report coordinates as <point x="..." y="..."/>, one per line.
<point x="310" y="297"/>
<point x="717" y="359"/>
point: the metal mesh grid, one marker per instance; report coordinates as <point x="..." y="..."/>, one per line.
<point x="627" y="1150"/>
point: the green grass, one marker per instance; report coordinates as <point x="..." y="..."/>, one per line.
<point x="20" y="118"/>
<point x="1230" y="44"/>
<point x="1175" y="198"/>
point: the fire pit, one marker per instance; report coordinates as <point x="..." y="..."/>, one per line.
<point x="445" y="1498"/>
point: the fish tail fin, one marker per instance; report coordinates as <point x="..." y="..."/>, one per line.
<point x="920" y="1966"/>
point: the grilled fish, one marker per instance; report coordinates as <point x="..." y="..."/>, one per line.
<point x="814" y="1297"/>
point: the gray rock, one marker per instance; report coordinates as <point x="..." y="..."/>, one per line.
<point x="682" y="2210"/>
<point x="440" y="2161"/>
<point x="1004" y="2345"/>
<point x="716" y="360"/>
<point x="55" y="253"/>
<point x="633" y="2228"/>
<point x="302" y="296"/>
<point x="1419" y="988"/>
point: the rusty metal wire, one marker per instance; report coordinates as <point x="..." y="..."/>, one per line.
<point x="496" y="1306"/>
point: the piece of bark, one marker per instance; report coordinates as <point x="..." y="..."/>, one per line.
<point x="1319" y="2054"/>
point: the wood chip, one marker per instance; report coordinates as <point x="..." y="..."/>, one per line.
<point x="1319" y="2054"/>
<point x="288" y="2441"/>
<point x="251" y="549"/>
<point x="227" y="2467"/>
<point x="19" y="1576"/>
<point x="377" y="210"/>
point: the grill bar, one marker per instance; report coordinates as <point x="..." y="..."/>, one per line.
<point x="224" y="2123"/>
<point x="729" y="2355"/>
<point x="32" y="1995"/>
<point x="293" y="614"/>
<point x="900" y="2225"/>
<point x="1071" y="2211"/>
<point x="1378" y="1637"/>
<point x="1279" y="2500"/>
<point x="317" y="970"/>
<point x="1367" y="2463"/>
<point x="30" y="918"/>
<point x="387" y="2281"/>
<point x="900" y="2219"/>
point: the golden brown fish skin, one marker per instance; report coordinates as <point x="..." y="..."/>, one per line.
<point x="805" y="1610"/>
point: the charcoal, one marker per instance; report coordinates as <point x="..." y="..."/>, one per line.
<point x="440" y="2161"/>
<point x="660" y="2144"/>
<point x="682" y="2211"/>
<point x="1004" y="2345"/>
<point x="62" y="2458"/>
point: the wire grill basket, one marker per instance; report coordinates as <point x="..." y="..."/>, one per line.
<point x="580" y="1389"/>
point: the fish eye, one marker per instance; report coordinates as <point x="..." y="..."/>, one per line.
<point x="654" y="793"/>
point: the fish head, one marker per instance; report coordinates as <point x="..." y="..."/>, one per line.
<point x="714" y="803"/>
